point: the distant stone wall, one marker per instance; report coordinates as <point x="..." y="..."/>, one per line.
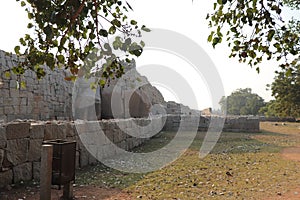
<point x="48" y="98"/>
<point x="277" y="119"/>
<point x="21" y="143"/>
<point x="173" y="108"/>
<point x="232" y="124"/>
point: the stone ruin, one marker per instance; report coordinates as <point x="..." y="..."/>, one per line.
<point x="43" y="110"/>
<point x="51" y="97"/>
<point x="130" y="96"/>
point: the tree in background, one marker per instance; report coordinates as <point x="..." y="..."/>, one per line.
<point x="242" y="102"/>
<point x="286" y="90"/>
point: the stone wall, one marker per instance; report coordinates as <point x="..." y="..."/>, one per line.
<point x="232" y="124"/>
<point x="48" y="98"/>
<point x="173" y="108"/>
<point x="51" y="97"/>
<point x="21" y="143"/>
<point x="277" y="119"/>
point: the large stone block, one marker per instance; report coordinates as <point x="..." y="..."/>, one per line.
<point x="37" y="131"/>
<point x="49" y="132"/>
<point x="139" y="104"/>
<point x="35" y="149"/>
<point x="17" y="130"/>
<point x="6" y="178"/>
<point x="22" y="172"/>
<point x="17" y="151"/>
<point x="70" y="129"/>
<point x="60" y="130"/>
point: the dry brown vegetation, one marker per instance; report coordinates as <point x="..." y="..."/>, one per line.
<point x="241" y="166"/>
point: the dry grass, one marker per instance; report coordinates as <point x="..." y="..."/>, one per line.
<point x="241" y="166"/>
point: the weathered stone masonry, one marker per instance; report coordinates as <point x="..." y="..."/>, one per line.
<point x="231" y="124"/>
<point x="21" y="143"/>
<point x="51" y="97"/>
<point x="48" y="98"/>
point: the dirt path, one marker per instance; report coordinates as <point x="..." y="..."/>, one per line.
<point x="291" y="153"/>
<point x="292" y="133"/>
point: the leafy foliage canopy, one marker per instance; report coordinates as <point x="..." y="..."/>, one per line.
<point x="66" y="33"/>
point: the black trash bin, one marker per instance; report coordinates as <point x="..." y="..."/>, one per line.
<point x="63" y="161"/>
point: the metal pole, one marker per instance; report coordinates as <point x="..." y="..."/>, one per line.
<point x="46" y="172"/>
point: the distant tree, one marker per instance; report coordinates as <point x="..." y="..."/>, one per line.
<point x="269" y="110"/>
<point x="286" y="91"/>
<point x="242" y="102"/>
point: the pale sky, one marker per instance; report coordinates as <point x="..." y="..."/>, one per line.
<point x="181" y="16"/>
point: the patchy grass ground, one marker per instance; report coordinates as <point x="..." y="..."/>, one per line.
<point x="241" y="166"/>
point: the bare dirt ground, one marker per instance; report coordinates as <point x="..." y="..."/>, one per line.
<point x="289" y="153"/>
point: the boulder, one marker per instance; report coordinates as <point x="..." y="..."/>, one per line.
<point x="17" y="130"/>
<point x="129" y="96"/>
<point x="17" y="151"/>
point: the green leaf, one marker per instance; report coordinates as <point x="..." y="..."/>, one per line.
<point x="103" y="32"/>
<point x="252" y="54"/>
<point x="29" y="25"/>
<point x="7" y="74"/>
<point x="60" y="58"/>
<point x="209" y="39"/>
<point x="133" y="22"/>
<point x="30" y="16"/>
<point x="23" y="3"/>
<point x="23" y="84"/>
<point x="17" y="50"/>
<point x="22" y="41"/>
<point x="112" y="30"/>
<point x="116" y="22"/>
<point x="135" y="50"/>
<point x="102" y="82"/>
<point x="144" y="28"/>
<point x="216" y="40"/>
<point x="270" y="35"/>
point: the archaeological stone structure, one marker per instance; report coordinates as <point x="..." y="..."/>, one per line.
<point x="130" y="96"/>
<point x="48" y="98"/>
<point x="21" y="143"/>
<point x="123" y="110"/>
